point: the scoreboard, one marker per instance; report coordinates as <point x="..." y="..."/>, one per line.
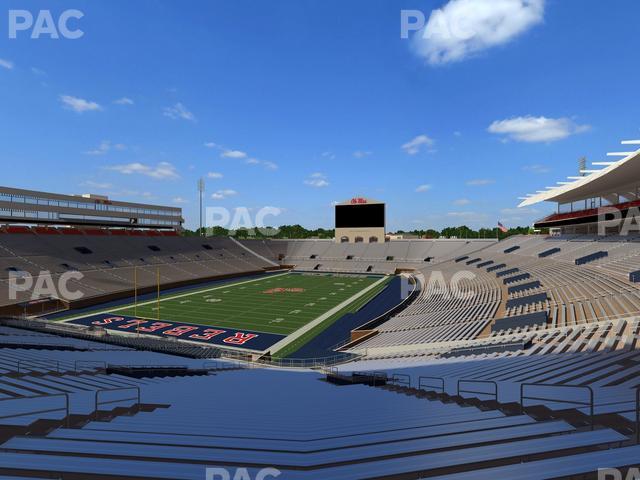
<point x="360" y="216"/>
<point x="360" y="220"/>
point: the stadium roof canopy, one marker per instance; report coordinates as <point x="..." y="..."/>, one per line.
<point x="614" y="178"/>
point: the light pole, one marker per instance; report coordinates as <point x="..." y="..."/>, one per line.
<point x="201" y="193"/>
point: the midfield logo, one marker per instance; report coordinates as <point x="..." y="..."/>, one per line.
<point x="283" y="290"/>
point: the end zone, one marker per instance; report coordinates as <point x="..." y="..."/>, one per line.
<point x="209" y="335"/>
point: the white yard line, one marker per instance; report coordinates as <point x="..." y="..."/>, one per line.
<point x="173" y="297"/>
<point x="305" y="328"/>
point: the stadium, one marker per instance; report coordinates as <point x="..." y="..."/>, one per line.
<point x="518" y="361"/>
<point x="303" y="240"/>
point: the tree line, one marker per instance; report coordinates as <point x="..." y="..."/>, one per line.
<point x="299" y="232"/>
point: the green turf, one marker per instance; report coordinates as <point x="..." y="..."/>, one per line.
<point x="291" y="348"/>
<point x="244" y="305"/>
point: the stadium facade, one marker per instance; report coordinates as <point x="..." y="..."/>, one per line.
<point x="597" y="198"/>
<point x="43" y="208"/>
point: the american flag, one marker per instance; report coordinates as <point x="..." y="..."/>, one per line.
<point x="502" y="228"/>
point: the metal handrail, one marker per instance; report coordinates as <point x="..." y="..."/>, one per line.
<point x="104" y="390"/>
<point x="420" y="384"/>
<point x="153" y="365"/>
<point x="38" y="364"/>
<point x="66" y="406"/>
<point x="590" y="403"/>
<point x="401" y="379"/>
<point x="380" y="374"/>
<point x="470" y="380"/>
<point x="220" y="365"/>
<point x="93" y="362"/>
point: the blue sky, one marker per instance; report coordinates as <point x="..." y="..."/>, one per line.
<point x="297" y="104"/>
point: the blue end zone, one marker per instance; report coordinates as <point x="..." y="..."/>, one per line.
<point x="208" y="334"/>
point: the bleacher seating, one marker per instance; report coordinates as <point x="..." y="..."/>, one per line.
<point x="175" y="427"/>
<point x="107" y="264"/>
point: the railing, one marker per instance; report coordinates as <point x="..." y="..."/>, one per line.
<point x="77" y="363"/>
<point x="105" y="390"/>
<point x="487" y="382"/>
<point x="216" y="365"/>
<point x="590" y="403"/>
<point x="421" y="384"/>
<point x="306" y="363"/>
<point x="40" y="364"/>
<point x="36" y="412"/>
<point x="401" y="379"/>
<point x="379" y="376"/>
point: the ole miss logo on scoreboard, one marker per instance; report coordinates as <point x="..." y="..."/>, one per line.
<point x="358" y="201"/>
<point x="185" y="331"/>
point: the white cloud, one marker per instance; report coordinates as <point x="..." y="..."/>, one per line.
<point x="101" y="149"/>
<point x="214" y="175"/>
<point x="123" y="101"/>
<point x="536" y="168"/>
<point x="361" y="154"/>
<point x="6" y="64"/>
<point x="462" y="201"/>
<point x="317" y="180"/>
<point x="462" y="28"/>
<point x="270" y="165"/>
<point x="179" y="111"/>
<point x="38" y="72"/>
<point x="79" y="105"/>
<point x="477" y="182"/>
<point x="233" y="154"/>
<point x="104" y="147"/>
<point x="462" y="214"/>
<point x="96" y="185"/>
<point x="415" y="145"/>
<point x="180" y="200"/>
<point x="240" y="155"/>
<point x="328" y="155"/>
<point x="423" y="188"/>
<point x="222" y="194"/>
<point x="162" y="171"/>
<point x="519" y="211"/>
<point x="536" y="129"/>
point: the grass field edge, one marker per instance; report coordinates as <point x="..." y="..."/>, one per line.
<point x="163" y="298"/>
<point x="355" y="305"/>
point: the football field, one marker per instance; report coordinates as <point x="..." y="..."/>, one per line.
<point x="270" y="307"/>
